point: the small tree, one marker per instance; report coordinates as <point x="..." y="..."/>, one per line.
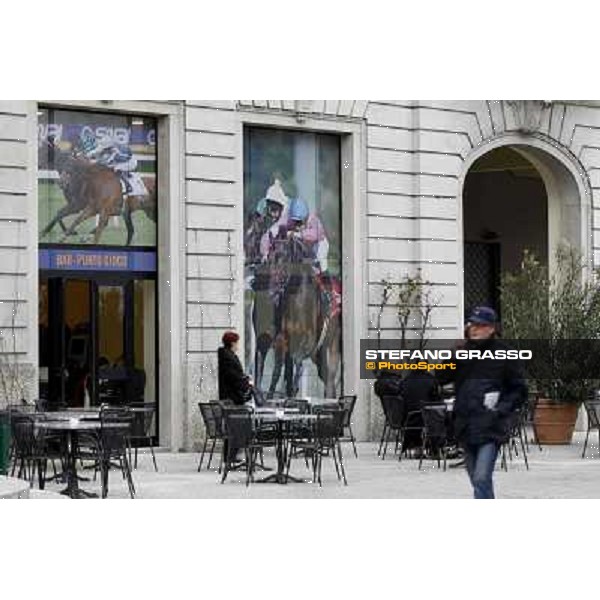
<point x="414" y="303"/>
<point x="559" y="316"/>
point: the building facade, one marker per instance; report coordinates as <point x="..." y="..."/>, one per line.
<point x="145" y="278"/>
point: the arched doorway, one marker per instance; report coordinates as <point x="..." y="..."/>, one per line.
<point x="518" y="196"/>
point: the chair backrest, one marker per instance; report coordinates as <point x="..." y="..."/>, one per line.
<point x="239" y="426"/>
<point x="208" y="418"/>
<point x="303" y="406"/>
<point x="347" y="403"/>
<point x="115" y="439"/>
<point x="434" y="424"/>
<point x="328" y="426"/>
<point x="592" y="408"/>
<point x="23" y="434"/>
<point x="143" y="419"/>
<point x="394" y="409"/>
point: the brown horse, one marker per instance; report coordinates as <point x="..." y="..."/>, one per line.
<point x="89" y="189"/>
<point x="92" y="189"/>
<point x="301" y="307"/>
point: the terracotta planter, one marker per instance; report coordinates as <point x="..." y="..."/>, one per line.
<point x="554" y="423"/>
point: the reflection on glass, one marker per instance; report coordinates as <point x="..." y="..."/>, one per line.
<point x="292" y="247"/>
<point x="144" y="335"/>
<point x="77" y="333"/>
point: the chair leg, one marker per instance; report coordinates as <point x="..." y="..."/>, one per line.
<point x="202" y="455"/>
<point x="212" y="450"/>
<point x="385" y="426"/>
<point x="335" y="462"/>
<point x="320" y="468"/>
<point x="127" y="469"/>
<point x="387" y="439"/>
<point x="587" y="435"/>
<point x="221" y="456"/>
<point x="341" y="459"/>
<point x="247" y="452"/>
<point x="523" y="448"/>
<point x="153" y="459"/>
<point x="353" y="441"/>
<point x="423" y="445"/>
<point x="225" y="463"/>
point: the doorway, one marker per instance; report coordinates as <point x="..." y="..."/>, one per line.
<point x="97" y="340"/>
<point x="505" y="212"/>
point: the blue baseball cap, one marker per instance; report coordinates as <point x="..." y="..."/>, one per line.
<point x="483" y="315"/>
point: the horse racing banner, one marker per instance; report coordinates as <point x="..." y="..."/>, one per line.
<point x="292" y="258"/>
<point x="96" y="179"/>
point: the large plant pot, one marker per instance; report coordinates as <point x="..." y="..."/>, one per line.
<point x="554" y="423"/>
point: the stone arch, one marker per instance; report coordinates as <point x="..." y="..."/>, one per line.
<point x="568" y="191"/>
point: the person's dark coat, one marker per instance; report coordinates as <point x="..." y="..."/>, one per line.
<point x="388" y="384"/>
<point x="474" y="423"/>
<point x="233" y="382"/>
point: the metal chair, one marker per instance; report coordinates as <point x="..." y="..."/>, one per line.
<point x="114" y="446"/>
<point x="434" y="435"/>
<point x="142" y="430"/>
<point x="592" y="409"/>
<point x="240" y="434"/>
<point x="212" y="417"/>
<point x="325" y="442"/>
<point x="347" y="404"/>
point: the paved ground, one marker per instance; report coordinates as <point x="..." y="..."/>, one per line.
<point x="555" y="472"/>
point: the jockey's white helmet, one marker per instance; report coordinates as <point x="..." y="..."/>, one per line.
<point x="276" y="194"/>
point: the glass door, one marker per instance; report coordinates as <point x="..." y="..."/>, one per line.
<point x="113" y="352"/>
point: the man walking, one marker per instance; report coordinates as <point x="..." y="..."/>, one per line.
<point x="488" y="391"/>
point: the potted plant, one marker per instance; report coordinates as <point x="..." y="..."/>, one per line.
<point x="558" y="317"/>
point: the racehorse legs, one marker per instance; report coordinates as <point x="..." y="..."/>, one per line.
<point x="288" y="375"/>
<point x="85" y="214"/>
<point x="298" y="370"/>
<point x="263" y="343"/>
<point x="128" y="221"/>
<point x="65" y="211"/>
<point x="279" y="357"/>
<point x="102" y="223"/>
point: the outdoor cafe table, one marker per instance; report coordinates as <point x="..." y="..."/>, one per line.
<point x="281" y="417"/>
<point x="71" y="429"/>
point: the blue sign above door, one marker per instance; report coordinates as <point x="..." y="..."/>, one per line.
<point x="97" y="260"/>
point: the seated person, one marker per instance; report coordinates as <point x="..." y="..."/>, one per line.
<point x="234" y="384"/>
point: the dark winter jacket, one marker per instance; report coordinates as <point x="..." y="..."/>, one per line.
<point x="233" y="382"/>
<point x="474" y="423"/>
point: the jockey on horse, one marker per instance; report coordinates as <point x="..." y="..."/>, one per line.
<point x="107" y="152"/>
<point x="299" y="223"/>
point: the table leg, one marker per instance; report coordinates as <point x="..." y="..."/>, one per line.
<point x="72" y="490"/>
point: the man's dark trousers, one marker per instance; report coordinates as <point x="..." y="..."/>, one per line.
<point x="480" y="461"/>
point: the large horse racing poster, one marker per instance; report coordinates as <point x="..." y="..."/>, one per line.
<point x="292" y="251"/>
<point x="96" y="179"/>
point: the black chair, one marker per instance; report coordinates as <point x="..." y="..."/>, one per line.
<point x="325" y="441"/>
<point x="347" y="404"/>
<point x="397" y="418"/>
<point x="28" y="449"/>
<point x="142" y="429"/>
<point x="212" y="417"/>
<point x="240" y="434"/>
<point x="434" y="434"/>
<point x="592" y="409"/>
<point x="529" y="419"/>
<point x="517" y="435"/>
<point x="114" y="445"/>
